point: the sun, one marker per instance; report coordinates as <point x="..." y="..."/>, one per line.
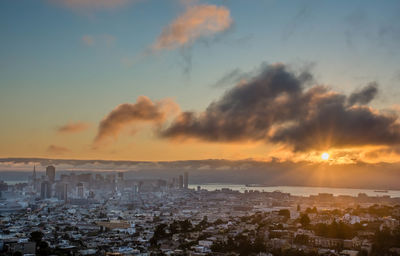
<point x="325" y="156"/>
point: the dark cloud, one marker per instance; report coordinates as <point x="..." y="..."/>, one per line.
<point x="232" y="77"/>
<point x="279" y="106"/>
<point x="144" y="110"/>
<point x="365" y="95"/>
<point x="335" y="126"/>
<point x="244" y="112"/>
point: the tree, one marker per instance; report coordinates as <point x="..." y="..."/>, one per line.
<point x="285" y="213"/>
<point x="218" y="222"/>
<point x="36" y="236"/>
<point x="259" y="245"/>
<point x="202" y="224"/>
<point x="186" y="225"/>
<point x="335" y="230"/>
<point x="159" y="233"/>
<point x="313" y="210"/>
<point x="304" y="220"/>
<point x="43" y="248"/>
<point x="384" y="240"/>
<point x="301" y="239"/>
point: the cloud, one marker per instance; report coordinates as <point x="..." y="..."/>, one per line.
<point x="382" y="152"/>
<point x="104" y="39"/>
<point x="279" y="106"/>
<point x="232" y="77"/>
<point x="197" y="21"/>
<point x="57" y="150"/>
<point x="73" y="127"/>
<point x="88" y="40"/>
<point x="92" y="4"/>
<point x="237" y="76"/>
<point x="144" y="110"/>
<point x="365" y="95"/>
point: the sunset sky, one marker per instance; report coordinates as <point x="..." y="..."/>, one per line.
<point x="164" y="80"/>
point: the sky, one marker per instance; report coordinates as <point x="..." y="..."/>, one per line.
<point x="167" y="80"/>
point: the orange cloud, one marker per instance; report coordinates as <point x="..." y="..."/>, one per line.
<point x="197" y="21"/>
<point x="73" y="127"/>
<point x="88" y="40"/>
<point x="57" y="150"/>
<point x="144" y="110"/>
<point x="105" y="39"/>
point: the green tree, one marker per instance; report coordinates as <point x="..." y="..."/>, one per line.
<point x="36" y="236"/>
<point x="285" y="213"/>
<point x="304" y="220"/>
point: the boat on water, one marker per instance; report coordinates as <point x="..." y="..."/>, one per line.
<point x="381" y="191"/>
<point x="255" y="185"/>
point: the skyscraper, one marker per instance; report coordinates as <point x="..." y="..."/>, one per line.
<point x="80" y="190"/>
<point x="62" y="191"/>
<point x="45" y="190"/>
<point x="180" y="182"/>
<point x="186" y="180"/>
<point x="51" y="173"/>
<point x="120" y="176"/>
<point x="34" y="173"/>
<point x="34" y="180"/>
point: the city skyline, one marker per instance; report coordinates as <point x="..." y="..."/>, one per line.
<point x="189" y="80"/>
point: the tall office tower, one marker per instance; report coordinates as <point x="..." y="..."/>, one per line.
<point x="51" y="173"/>
<point x="180" y="182"/>
<point x="34" y="174"/>
<point x="45" y="190"/>
<point x="80" y="190"/>
<point x="34" y="180"/>
<point x="186" y="180"/>
<point x="120" y="176"/>
<point x="64" y="192"/>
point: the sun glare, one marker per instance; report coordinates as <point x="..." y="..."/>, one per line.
<point x="325" y="156"/>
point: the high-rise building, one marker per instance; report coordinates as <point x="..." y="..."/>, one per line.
<point x="180" y="182"/>
<point x="62" y="191"/>
<point x="120" y="176"/>
<point x="34" y="173"/>
<point x="186" y="180"/>
<point x="135" y="189"/>
<point x="80" y="190"/>
<point x="51" y="173"/>
<point x="45" y="190"/>
<point x="35" y="182"/>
